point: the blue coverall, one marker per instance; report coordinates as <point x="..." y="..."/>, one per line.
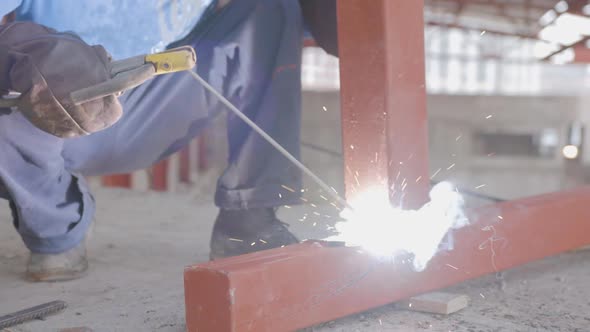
<point x="249" y="50"/>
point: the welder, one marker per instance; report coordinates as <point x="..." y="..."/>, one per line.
<point x="249" y="50"/>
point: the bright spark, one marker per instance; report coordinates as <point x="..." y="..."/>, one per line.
<point x="500" y="217"/>
<point x="452" y="165"/>
<point x="489" y="116"/>
<point x="483" y="297"/>
<point x="237" y="240"/>
<point x="452" y="267"/>
<point x="385" y="231"/>
<point x="288" y="188"/>
<point x="435" y="173"/>
<point x="356" y="179"/>
<point x="458" y="138"/>
<point x="480" y="186"/>
<point x="325" y="108"/>
<point x="261" y="240"/>
<point x="482" y="33"/>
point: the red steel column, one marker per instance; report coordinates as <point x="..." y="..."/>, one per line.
<point x="384" y="120"/>
<point x="581" y="54"/>
<point x="184" y="167"/>
<point x="159" y="181"/>
<point x="117" y="180"/>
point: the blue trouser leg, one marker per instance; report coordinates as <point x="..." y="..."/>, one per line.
<point x="250" y="51"/>
<point x="51" y="205"/>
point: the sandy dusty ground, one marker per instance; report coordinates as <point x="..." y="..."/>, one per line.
<point x="142" y="241"/>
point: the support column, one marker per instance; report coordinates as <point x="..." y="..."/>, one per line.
<point x="384" y="120"/>
<point x="117" y="180"/>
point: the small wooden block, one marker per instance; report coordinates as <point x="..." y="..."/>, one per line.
<point x="436" y="303"/>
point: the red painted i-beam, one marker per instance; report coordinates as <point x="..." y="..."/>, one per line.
<point x="298" y="286"/>
<point x="117" y="180"/>
<point x="384" y="119"/>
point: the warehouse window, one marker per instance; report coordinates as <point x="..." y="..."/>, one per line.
<point x="536" y="145"/>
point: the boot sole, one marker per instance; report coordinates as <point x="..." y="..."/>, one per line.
<point x="55" y="276"/>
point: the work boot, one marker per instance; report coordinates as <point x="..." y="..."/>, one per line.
<point x="238" y="232"/>
<point x="68" y="265"/>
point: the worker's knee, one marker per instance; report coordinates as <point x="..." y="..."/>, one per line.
<point x="28" y="156"/>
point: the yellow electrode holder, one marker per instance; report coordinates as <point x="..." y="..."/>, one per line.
<point x="129" y="73"/>
<point x="173" y="60"/>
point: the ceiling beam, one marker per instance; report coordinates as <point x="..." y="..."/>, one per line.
<point x="490" y="31"/>
<point x="565" y="47"/>
<point x="493" y="3"/>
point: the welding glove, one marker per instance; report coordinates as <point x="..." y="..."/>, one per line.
<point x="45" y="66"/>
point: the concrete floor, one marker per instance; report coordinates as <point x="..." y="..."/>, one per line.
<point x="142" y="241"/>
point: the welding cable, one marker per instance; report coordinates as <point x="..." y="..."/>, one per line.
<point x="337" y="154"/>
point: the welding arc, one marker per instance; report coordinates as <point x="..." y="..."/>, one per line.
<point x="271" y="141"/>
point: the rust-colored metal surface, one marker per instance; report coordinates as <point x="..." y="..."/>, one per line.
<point x="297" y="286"/>
<point x="581" y="54"/>
<point x="159" y="176"/>
<point x="117" y="180"/>
<point x="184" y="166"/>
<point x="384" y="120"/>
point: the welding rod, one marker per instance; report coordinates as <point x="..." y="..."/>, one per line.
<point x="272" y="142"/>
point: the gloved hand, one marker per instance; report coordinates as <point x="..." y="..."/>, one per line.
<point x="45" y="67"/>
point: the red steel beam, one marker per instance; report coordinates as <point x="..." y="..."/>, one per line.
<point x="482" y="29"/>
<point x="383" y="97"/>
<point x="117" y="180"/>
<point x="184" y="168"/>
<point x="159" y="176"/>
<point x="581" y="54"/>
<point x="298" y="286"/>
<point x="565" y="47"/>
<point x="494" y="4"/>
